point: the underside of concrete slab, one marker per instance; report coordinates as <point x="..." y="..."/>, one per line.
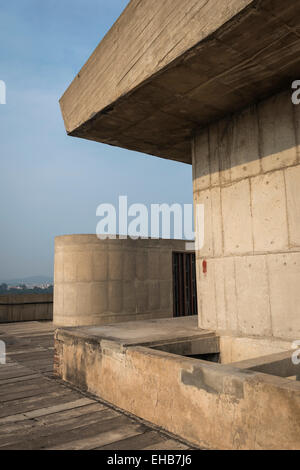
<point x="168" y="68"/>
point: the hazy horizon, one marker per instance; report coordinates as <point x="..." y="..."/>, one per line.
<point x="30" y="279"/>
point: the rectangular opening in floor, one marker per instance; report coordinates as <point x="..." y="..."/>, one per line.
<point x="205" y="349"/>
<point x="279" y="364"/>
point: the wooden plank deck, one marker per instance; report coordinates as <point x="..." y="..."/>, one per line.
<point x="38" y="411"/>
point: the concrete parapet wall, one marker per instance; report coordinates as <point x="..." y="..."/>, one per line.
<point x="247" y="174"/>
<point x="210" y="405"/>
<point x="106" y="281"/>
<point x="26" y="307"/>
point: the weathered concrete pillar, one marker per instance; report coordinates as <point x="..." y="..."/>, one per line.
<point x="246" y="171"/>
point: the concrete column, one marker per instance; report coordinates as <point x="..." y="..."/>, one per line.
<point x="246" y="172"/>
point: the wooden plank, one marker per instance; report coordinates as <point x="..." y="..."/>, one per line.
<point x="73" y="439"/>
<point x="38" y="365"/>
<point x="40" y="431"/>
<point x="51" y="410"/>
<point x="105" y="438"/>
<point x="19" y="379"/>
<point x="31" y="355"/>
<point x="94" y="407"/>
<point x="5" y="367"/>
<point x="139" y="442"/>
<point x="16" y="373"/>
<point x="22" y="350"/>
<point x="38" y="381"/>
<point x="34" y="403"/>
<point x="14" y="331"/>
<point x="38" y="391"/>
<point x="35" y="360"/>
<point x="25" y="423"/>
<point x="47" y="370"/>
<point x="167" y="445"/>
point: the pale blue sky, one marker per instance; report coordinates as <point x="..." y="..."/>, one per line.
<point x="51" y="184"/>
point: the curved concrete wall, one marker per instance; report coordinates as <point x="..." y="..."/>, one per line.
<point x="107" y="281"/>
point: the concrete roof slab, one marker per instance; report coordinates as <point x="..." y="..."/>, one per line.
<point x="167" y="68"/>
<point x="144" y="332"/>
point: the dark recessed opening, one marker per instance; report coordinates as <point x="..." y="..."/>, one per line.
<point x="208" y="357"/>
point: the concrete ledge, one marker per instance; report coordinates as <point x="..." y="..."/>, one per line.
<point x="208" y="404"/>
<point x="149" y="333"/>
<point x="279" y="364"/>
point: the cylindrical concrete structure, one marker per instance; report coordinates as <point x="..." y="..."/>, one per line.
<point x="108" y="281"/>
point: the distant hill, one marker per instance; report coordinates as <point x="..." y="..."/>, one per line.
<point x="29" y="281"/>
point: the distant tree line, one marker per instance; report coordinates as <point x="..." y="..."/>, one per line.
<point x="23" y="289"/>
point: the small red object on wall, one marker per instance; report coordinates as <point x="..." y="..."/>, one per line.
<point x="204" y="265"/>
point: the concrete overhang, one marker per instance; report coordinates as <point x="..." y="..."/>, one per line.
<point x="168" y="67"/>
